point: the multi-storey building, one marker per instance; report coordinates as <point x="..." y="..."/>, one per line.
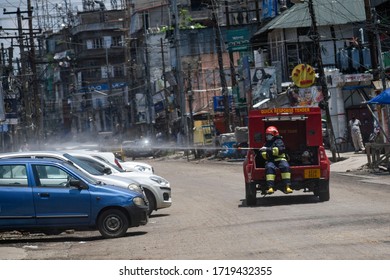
<point x="125" y="74"/>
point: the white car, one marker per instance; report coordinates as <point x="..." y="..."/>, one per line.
<point x="157" y="189"/>
<point x="112" y="159"/>
<point x="136" y="166"/>
<point x="119" y="181"/>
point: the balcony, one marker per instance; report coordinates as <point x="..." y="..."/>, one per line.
<point x="97" y="27"/>
<point x="116" y="52"/>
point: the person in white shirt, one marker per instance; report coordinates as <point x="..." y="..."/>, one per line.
<point x="356" y="134"/>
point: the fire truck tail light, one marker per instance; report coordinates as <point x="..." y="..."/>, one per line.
<point x="322" y="154"/>
<point x="251" y="158"/>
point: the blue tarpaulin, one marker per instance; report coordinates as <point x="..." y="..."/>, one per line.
<point x="382" y="98"/>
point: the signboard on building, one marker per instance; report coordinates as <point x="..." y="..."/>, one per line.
<point x="238" y="40"/>
<point x="106" y="86"/>
<point x="10" y="108"/>
<point x="219" y="105"/>
<point x="305" y="97"/>
<point x="269" y="9"/>
<point x="303" y="75"/>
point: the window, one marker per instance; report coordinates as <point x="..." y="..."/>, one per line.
<point x="118" y="71"/>
<point x="300" y="53"/>
<point x="91" y="73"/>
<point x="117" y="41"/>
<point x="292" y="57"/>
<point x="93" y="163"/>
<point x="13" y="175"/>
<point x="97" y="43"/>
<point x="51" y="176"/>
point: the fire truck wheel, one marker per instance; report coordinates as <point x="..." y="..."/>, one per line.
<point x="250" y="194"/>
<point x="324" y="194"/>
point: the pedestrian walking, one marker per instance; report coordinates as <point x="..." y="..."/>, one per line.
<point x="356" y="134"/>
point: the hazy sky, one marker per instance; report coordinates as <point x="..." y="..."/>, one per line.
<point x="10" y="20"/>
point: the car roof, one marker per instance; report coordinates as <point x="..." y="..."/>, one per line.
<point x="31" y="154"/>
<point x="47" y="155"/>
<point x="91" y="153"/>
<point x="29" y="159"/>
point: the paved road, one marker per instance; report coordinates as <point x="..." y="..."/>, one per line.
<point x="209" y="220"/>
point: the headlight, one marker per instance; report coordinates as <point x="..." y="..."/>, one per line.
<point x="135" y="187"/>
<point x="159" y="180"/>
<point x="139" y="201"/>
<point x="142" y="168"/>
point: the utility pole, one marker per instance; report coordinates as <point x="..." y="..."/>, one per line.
<point x="380" y="59"/>
<point x="26" y="119"/>
<point x="316" y="39"/>
<point x="232" y="69"/>
<point x="167" y="114"/>
<point x="190" y="100"/>
<point x="379" y="50"/>
<point x="129" y="64"/>
<point x="36" y="110"/>
<point x="179" y="74"/>
<point x="109" y="82"/>
<point x="371" y="36"/>
<point x="225" y="92"/>
<point x="149" y="99"/>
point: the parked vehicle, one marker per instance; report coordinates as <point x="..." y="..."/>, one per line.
<point x="137" y="148"/>
<point x="111" y="157"/>
<point x="125" y="165"/>
<point x="301" y="130"/>
<point x="91" y="171"/>
<point x="50" y="196"/>
<point x="157" y="189"/>
<point x="228" y="143"/>
<point x="135" y="166"/>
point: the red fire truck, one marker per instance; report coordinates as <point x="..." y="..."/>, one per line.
<point x="301" y="129"/>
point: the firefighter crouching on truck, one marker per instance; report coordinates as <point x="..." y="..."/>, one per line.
<point x="274" y="154"/>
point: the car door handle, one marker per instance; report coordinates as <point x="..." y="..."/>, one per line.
<point x="44" y="194"/>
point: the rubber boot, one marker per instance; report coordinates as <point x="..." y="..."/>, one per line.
<point x="288" y="189"/>
<point x="270" y="190"/>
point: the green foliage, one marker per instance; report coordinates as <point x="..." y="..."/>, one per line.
<point x="186" y="22"/>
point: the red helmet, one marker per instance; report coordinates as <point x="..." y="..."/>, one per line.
<point x="272" y="130"/>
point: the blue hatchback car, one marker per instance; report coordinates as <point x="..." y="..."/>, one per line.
<point x="50" y="196"/>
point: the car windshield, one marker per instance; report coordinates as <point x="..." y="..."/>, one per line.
<point x="88" y="168"/>
<point x="114" y="167"/>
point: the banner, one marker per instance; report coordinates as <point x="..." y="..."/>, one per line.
<point x="263" y="84"/>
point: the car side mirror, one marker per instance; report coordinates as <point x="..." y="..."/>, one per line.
<point x="77" y="184"/>
<point x="107" y="170"/>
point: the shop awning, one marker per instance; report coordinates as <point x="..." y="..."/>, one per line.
<point x="382" y="98"/>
